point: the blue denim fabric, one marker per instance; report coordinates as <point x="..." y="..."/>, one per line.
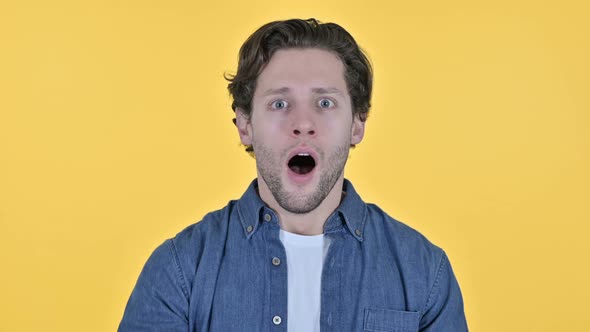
<point x="221" y="274"/>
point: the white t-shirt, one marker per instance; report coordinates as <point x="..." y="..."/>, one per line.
<point x="305" y="258"/>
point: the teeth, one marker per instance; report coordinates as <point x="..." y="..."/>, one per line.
<point x="303" y="154"/>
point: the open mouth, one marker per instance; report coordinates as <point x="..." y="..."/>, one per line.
<point x="301" y="163"/>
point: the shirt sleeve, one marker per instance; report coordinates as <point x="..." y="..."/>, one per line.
<point x="444" y="311"/>
<point x="159" y="301"/>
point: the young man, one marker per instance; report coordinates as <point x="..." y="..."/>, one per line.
<point x="300" y="250"/>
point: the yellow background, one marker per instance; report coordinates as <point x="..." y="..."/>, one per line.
<point x="116" y="133"/>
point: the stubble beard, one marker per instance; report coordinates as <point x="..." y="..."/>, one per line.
<point x="299" y="203"/>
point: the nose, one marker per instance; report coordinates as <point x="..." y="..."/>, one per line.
<point x="303" y="123"/>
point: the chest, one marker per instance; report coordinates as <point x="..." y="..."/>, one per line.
<point x="362" y="287"/>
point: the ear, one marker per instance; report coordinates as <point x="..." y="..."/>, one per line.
<point x="358" y="130"/>
<point x="244" y="127"/>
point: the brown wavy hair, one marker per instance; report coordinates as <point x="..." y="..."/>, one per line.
<point x="256" y="52"/>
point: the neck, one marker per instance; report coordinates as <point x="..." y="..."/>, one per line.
<point x="311" y="223"/>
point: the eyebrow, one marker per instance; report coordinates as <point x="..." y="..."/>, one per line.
<point x="284" y="90"/>
<point x="326" y="91"/>
<point x="279" y="91"/>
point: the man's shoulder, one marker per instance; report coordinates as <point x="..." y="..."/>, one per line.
<point x="405" y="239"/>
<point x="202" y="237"/>
<point x="403" y="246"/>
<point x="214" y="223"/>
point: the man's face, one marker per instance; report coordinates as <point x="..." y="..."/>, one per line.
<point x="301" y="127"/>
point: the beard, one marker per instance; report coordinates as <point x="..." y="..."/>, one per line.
<point x="270" y="169"/>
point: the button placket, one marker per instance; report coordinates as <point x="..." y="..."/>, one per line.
<point x="331" y="279"/>
<point x="278" y="274"/>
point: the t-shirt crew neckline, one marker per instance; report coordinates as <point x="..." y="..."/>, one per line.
<point x="302" y="240"/>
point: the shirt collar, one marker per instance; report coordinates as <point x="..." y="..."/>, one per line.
<point x="351" y="212"/>
<point x="352" y="209"/>
<point x="250" y="209"/>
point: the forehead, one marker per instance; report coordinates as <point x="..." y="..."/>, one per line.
<point x="302" y="69"/>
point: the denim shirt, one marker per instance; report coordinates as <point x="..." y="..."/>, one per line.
<point x="229" y="273"/>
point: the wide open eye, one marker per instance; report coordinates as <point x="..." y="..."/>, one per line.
<point x="326" y="103"/>
<point x="302" y="164"/>
<point x="279" y="104"/>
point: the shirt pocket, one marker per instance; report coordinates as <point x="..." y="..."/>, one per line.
<point x="387" y="320"/>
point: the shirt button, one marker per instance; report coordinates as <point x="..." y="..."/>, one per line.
<point x="276" y="262"/>
<point x="276" y="320"/>
<point x="358" y="232"/>
<point x="267" y="217"/>
<point x="249" y="228"/>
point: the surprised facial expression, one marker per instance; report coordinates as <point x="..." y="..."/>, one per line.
<point x="301" y="127"/>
